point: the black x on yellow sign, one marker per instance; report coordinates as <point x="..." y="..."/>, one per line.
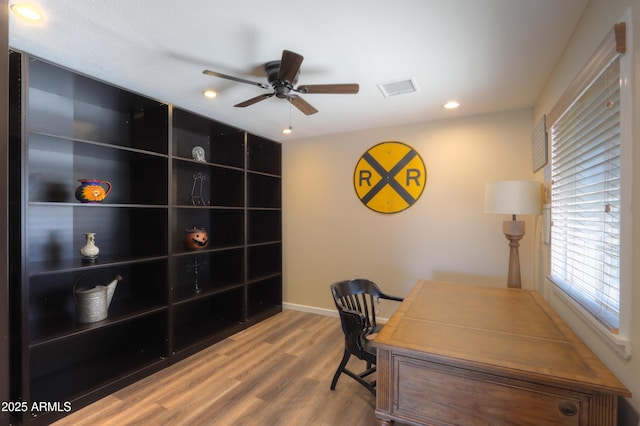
<point x="390" y="177"/>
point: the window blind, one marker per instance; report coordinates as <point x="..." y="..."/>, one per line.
<point x="585" y="198"/>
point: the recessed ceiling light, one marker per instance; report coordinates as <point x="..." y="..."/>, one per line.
<point x="209" y="93"/>
<point x="451" y="105"/>
<point x="288" y="130"/>
<point x="26" y="11"/>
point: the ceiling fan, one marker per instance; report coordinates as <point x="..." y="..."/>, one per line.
<point x="282" y="75"/>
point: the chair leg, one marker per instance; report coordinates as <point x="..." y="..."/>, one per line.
<point x="343" y="364"/>
<point x="360" y="378"/>
<point x="371" y="386"/>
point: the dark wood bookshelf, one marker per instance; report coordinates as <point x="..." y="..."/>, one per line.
<point x="64" y="127"/>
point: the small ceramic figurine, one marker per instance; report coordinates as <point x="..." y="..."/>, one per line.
<point x="198" y="154"/>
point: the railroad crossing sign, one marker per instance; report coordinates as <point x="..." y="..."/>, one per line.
<point x="390" y="177"/>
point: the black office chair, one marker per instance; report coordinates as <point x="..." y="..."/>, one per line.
<point x="356" y="301"/>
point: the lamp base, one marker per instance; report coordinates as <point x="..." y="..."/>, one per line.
<point x="513" y="231"/>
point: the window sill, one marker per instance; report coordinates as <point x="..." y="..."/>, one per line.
<point x="619" y="343"/>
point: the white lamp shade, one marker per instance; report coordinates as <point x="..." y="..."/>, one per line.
<point x="513" y="197"/>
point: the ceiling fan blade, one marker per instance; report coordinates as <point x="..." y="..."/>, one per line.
<point x="239" y="80"/>
<point x="289" y="66"/>
<point x="329" y="88"/>
<point x="301" y="104"/>
<point x="254" y="100"/>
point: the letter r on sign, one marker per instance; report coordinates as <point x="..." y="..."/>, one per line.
<point x="365" y="175"/>
<point x="413" y="174"/>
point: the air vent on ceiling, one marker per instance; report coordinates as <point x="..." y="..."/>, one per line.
<point x="398" y="87"/>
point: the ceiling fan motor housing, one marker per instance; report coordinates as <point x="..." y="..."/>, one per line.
<point x="281" y="87"/>
<point x="272" y="68"/>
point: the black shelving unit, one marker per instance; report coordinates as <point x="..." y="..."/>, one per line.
<point x="264" y="228"/>
<point x="69" y="127"/>
<point x="219" y="301"/>
<point x="207" y="193"/>
<point x="171" y="301"/>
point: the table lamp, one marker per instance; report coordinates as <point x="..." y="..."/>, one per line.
<point x="514" y="198"/>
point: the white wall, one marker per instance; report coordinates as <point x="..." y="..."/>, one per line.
<point x="329" y="235"/>
<point x="599" y="18"/>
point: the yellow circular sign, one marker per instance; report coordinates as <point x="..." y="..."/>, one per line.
<point x="390" y="177"/>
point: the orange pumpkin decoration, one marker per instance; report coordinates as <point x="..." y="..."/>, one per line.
<point x="196" y="238"/>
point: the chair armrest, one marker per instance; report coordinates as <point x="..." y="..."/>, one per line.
<point x="388" y="297"/>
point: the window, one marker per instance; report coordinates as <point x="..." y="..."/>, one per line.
<point x="586" y="193"/>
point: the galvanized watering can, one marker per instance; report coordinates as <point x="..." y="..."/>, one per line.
<point x="92" y="302"/>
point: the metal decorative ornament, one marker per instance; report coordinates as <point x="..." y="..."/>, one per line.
<point x="390" y="177"/>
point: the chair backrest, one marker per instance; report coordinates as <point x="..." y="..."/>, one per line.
<point x="356" y="303"/>
<point x="359" y="295"/>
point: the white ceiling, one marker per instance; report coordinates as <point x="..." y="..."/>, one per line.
<point x="490" y="55"/>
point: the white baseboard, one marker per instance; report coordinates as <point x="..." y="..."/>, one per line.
<point x="310" y="309"/>
<point x="320" y="311"/>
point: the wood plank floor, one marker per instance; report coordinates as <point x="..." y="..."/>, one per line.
<point x="277" y="372"/>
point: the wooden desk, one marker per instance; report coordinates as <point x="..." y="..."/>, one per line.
<point x="456" y="354"/>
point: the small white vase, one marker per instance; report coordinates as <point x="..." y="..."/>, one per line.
<point x="90" y="250"/>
